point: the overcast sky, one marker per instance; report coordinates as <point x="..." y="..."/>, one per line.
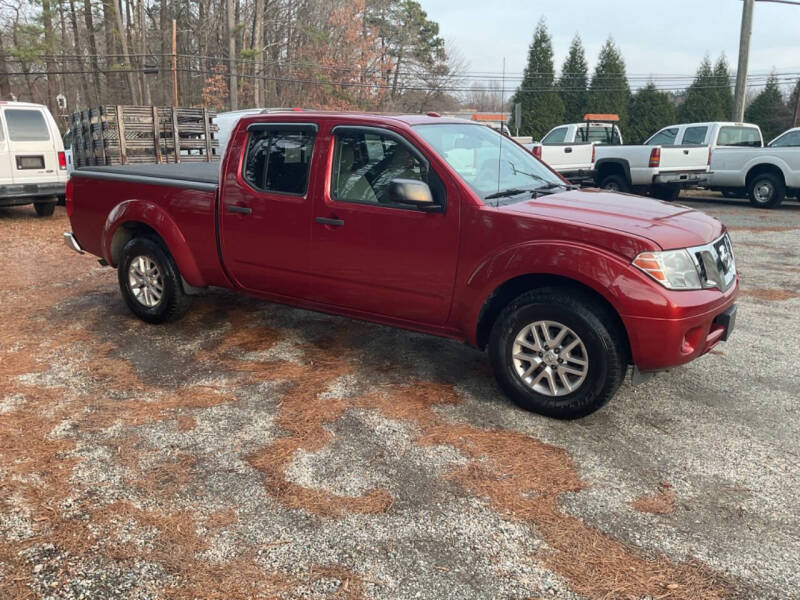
<point x="655" y="36"/>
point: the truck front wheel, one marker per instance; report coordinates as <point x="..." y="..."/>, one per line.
<point x="766" y="190"/>
<point x="557" y="355"/>
<point x="150" y="281"/>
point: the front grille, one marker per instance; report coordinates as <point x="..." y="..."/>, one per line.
<point x="716" y="263"/>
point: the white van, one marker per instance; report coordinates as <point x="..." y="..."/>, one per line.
<point x="33" y="166"/>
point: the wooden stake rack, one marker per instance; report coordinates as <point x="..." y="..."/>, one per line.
<point x="119" y="135"/>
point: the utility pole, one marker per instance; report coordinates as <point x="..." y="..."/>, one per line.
<point x="740" y="95"/>
<point x="174" y="62"/>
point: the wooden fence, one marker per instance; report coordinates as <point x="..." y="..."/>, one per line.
<point x="118" y="135"/>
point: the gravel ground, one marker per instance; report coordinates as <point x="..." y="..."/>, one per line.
<point x="258" y="451"/>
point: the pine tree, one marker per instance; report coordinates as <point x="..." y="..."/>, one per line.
<point x="722" y="78"/>
<point x="702" y="101"/>
<point x="769" y="112"/>
<point x="574" y="82"/>
<point x="609" y="91"/>
<point x="542" y="108"/>
<point x="650" y="110"/>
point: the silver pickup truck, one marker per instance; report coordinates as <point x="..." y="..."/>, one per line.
<point x="660" y="170"/>
<point x="740" y="165"/>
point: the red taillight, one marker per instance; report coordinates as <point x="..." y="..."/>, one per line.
<point x="537" y="152"/>
<point x="62" y="160"/>
<point x="709" y="156"/>
<point x="655" y="158"/>
<point x="594" y="153"/>
<point x="69" y="204"/>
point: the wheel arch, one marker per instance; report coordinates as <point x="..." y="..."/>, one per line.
<point x="134" y="218"/>
<point x="514" y="287"/>
<point x="763" y="168"/>
<point x="612" y="166"/>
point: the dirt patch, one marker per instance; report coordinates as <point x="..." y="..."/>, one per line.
<point x="770" y="294"/>
<point x="661" y="502"/>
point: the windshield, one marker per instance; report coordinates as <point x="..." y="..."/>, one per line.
<point x="488" y="162"/>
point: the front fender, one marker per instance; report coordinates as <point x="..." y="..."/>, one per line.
<point x="608" y="274"/>
<point x="155" y="217"/>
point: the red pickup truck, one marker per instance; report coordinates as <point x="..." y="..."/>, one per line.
<point x="426" y="223"/>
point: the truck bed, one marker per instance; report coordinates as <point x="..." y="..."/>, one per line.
<point x="195" y="174"/>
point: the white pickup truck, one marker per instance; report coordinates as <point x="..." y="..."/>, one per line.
<point x="740" y="165"/>
<point x="661" y="170"/>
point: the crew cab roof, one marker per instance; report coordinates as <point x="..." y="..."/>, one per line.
<point x="355" y="117"/>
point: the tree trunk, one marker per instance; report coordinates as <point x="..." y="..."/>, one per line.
<point x="258" y="45"/>
<point x="50" y="48"/>
<point x="123" y="39"/>
<point x="78" y="52"/>
<point x="143" y="53"/>
<point x="99" y="89"/>
<point x="233" y="85"/>
<point x="5" y="84"/>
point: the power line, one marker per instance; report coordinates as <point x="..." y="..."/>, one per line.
<point x="375" y="85"/>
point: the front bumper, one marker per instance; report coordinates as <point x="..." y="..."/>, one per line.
<point x="21" y="193"/>
<point x="681" y="178"/>
<point x="662" y="343"/>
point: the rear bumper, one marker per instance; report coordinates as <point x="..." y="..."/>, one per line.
<point x="580" y="176"/>
<point x="663" y="343"/>
<point x="72" y="243"/>
<point x="681" y="178"/>
<point x="22" y="193"/>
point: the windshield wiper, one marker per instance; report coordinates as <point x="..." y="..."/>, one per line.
<point x="509" y="192"/>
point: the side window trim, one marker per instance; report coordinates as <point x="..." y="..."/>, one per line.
<point x="337" y="130"/>
<point x="283" y="126"/>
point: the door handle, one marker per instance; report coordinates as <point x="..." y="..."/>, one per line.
<point x="568" y="150"/>
<point x="242" y="210"/>
<point x="333" y="222"/>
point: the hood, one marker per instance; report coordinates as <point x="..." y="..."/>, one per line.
<point x="670" y="225"/>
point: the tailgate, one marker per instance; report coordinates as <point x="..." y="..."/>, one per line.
<point x="684" y="158"/>
<point x="566" y="157"/>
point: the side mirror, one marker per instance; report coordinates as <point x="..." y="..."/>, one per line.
<point x="411" y="191"/>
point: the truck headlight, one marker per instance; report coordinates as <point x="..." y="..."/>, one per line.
<point x="674" y="269"/>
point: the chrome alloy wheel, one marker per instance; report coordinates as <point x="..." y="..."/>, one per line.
<point x="145" y="281"/>
<point x="763" y="191"/>
<point x="550" y="358"/>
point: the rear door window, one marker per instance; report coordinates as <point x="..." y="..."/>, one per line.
<point x="790" y="139"/>
<point x="694" y="136"/>
<point x="557" y="136"/>
<point x="739" y="136"/>
<point x="665" y="137"/>
<point x="278" y="159"/>
<point x="26" y="125"/>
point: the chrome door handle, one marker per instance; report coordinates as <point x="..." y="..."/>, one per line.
<point x="242" y="210"/>
<point x="333" y="222"/>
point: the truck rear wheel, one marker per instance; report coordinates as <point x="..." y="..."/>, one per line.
<point x="150" y="281"/>
<point x="45" y="209"/>
<point x="766" y="190"/>
<point x="615" y="183"/>
<point x="557" y="355"/>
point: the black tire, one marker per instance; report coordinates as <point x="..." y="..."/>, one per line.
<point x="668" y="193"/>
<point x="590" y="322"/>
<point x="615" y="183"/>
<point x="756" y="190"/>
<point x="44" y="209"/>
<point x="173" y="301"/>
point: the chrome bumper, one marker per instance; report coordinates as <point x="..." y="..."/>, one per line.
<point x="690" y="178"/>
<point x="72" y="243"/>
